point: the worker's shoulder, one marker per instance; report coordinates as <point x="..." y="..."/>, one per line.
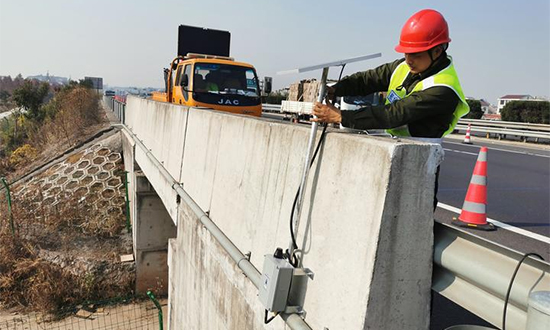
<point x="390" y="66"/>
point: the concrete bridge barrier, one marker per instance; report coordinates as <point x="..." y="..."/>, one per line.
<point x="366" y="228"/>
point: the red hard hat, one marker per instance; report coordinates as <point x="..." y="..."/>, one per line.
<point x="422" y="31"/>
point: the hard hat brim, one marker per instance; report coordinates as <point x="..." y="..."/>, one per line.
<point x="417" y="49"/>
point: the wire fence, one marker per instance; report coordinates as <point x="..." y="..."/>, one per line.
<point x="137" y="312"/>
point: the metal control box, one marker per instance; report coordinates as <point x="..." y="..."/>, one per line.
<point x="276" y="280"/>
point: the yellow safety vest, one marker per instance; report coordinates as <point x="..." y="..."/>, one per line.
<point x="446" y="77"/>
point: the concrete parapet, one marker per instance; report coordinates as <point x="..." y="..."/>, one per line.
<point x="161" y="127"/>
<point x="368" y="211"/>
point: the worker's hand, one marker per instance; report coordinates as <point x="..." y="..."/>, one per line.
<point x="326" y="113"/>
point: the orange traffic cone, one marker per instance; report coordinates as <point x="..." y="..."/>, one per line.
<point x="467" y="138"/>
<point x="474" y="213"/>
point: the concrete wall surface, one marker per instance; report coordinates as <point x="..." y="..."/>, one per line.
<point x="161" y="127"/>
<point x="368" y="209"/>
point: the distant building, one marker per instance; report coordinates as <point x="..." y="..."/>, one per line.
<point x="503" y="100"/>
<point x="54" y="80"/>
<point x="487" y="107"/>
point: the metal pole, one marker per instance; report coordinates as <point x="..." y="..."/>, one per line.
<point x="305" y="172"/>
<point x="10" y="214"/>
<point x="157" y="305"/>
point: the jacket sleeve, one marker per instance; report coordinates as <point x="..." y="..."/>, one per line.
<point x="434" y="101"/>
<point x="367" y="82"/>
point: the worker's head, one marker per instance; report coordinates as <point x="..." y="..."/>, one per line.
<point x="424" y="38"/>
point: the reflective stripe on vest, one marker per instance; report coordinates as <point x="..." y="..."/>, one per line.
<point x="446" y="77"/>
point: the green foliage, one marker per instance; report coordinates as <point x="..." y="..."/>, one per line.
<point x="4" y="96"/>
<point x="475" y="109"/>
<point x="275" y="98"/>
<point x="80" y="83"/>
<point x="86" y="83"/>
<point x="30" y="97"/>
<point x="11" y="133"/>
<point x="536" y="112"/>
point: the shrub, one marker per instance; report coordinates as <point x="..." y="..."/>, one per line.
<point x="23" y="155"/>
<point x="536" y="112"/>
<point x="475" y="109"/>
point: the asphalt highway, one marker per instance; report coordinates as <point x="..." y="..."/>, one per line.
<point x="518" y="192"/>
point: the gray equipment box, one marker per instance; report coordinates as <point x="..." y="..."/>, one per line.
<point x="276" y="280"/>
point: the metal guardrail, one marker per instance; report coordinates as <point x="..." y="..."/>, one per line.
<point x="507" y="124"/>
<point x="502" y="132"/>
<point x="118" y="108"/>
<point x="499" y="128"/>
<point x="475" y="274"/>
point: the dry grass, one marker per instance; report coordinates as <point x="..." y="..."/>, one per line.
<point x="64" y="254"/>
<point x="84" y="265"/>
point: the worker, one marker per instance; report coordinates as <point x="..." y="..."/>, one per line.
<point x="424" y="99"/>
<point x="212" y="82"/>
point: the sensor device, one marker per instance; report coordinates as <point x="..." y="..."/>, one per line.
<point x="276" y="279"/>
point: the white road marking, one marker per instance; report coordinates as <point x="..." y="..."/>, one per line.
<point x="501" y="225"/>
<point x="460" y="152"/>
<point x="505" y="150"/>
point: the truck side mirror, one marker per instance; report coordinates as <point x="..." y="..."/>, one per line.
<point x="185" y="81"/>
<point x="267" y="85"/>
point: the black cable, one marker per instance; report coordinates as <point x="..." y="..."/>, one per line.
<point x="266" y="320"/>
<point x="525" y="256"/>
<point x="292" y="258"/>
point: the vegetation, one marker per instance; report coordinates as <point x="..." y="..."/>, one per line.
<point x="30" y="97"/>
<point x="49" y="117"/>
<point x="475" y="109"/>
<point x="39" y="266"/>
<point x="7" y="86"/>
<point x="536" y="112"/>
<point x="276" y="97"/>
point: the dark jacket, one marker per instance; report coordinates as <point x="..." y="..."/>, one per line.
<point x="428" y="113"/>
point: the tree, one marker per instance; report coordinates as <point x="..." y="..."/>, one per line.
<point x="86" y="83"/>
<point x="275" y="98"/>
<point x="4" y="96"/>
<point x="30" y="97"/>
<point x="527" y="112"/>
<point x="475" y="109"/>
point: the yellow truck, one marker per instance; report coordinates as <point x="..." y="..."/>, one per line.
<point x="203" y="75"/>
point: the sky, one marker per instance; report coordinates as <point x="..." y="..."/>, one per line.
<point x="498" y="47"/>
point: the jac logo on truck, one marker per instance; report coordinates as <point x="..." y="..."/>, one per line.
<point x="228" y="102"/>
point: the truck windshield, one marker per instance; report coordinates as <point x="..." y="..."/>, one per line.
<point x="225" y="79"/>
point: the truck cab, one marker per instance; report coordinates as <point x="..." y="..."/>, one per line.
<point x="215" y="82"/>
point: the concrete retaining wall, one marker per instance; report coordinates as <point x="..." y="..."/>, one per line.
<point x="369" y="204"/>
